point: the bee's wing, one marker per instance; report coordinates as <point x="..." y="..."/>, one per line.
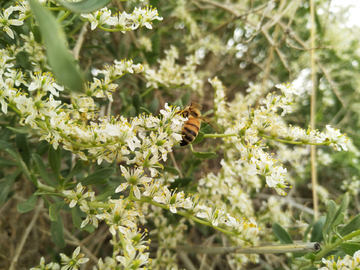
<point x="211" y="122"/>
<point x="195" y="105"/>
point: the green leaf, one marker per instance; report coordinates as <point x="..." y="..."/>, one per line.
<point x="137" y="102"/>
<point x="198" y="138"/>
<point x="106" y="194"/>
<point x="350" y="248"/>
<point x="55" y="160"/>
<point x="85" y="6"/>
<point x="145" y="110"/>
<point x="22" y="130"/>
<point x="60" y="59"/>
<point x="171" y="170"/>
<point x="97" y="176"/>
<point x="76" y="217"/>
<point x="329" y="217"/>
<point x="208" y="112"/>
<point x="54" y="210"/>
<point x="281" y="234"/>
<point x="353" y="225"/>
<point x="28" y="205"/>
<point x="6" y="163"/>
<point x="6" y="185"/>
<point x="181" y="182"/>
<point x="308" y="230"/>
<point x="154" y="105"/>
<point x="340" y="213"/>
<point x="178" y="103"/>
<point x="186" y="97"/>
<point x="205" y="154"/>
<point x="316" y="235"/>
<point x="19" y="162"/>
<point x="5" y="145"/>
<point x="57" y="232"/>
<point x="42" y="170"/>
<point x="79" y="166"/>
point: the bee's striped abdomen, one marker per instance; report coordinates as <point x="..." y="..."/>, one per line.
<point x="190" y="131"/>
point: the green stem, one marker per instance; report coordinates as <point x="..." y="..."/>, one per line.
<point x="219" y="135"/>
<point x="147" y="92"/>
<point x="112" y="30"/>
<point x="45" y="187"/>
<point x="330" y="247"/>
<point x="67" y="13"/>
<point x="290" y="142"/>
<point x="184" y="214"/>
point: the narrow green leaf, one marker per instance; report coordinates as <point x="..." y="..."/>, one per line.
<point x="145" y="110"/>
<point x="198" y="138"/>
<point x="28" y="205"/>
<point x="318" y="230"/>
<point x="79" y="166"/>
<point x="77" y="220"/>
<point x="21" y="130"/>
<point x="60" y="59"/>
<point x="205" y="154"/>
<point x="208" y="112"/>
<point x="20" y="162"/>
<point x="178" y="103"/>
<point x="57" y="232"/>
<point x="281" y="234"/>
<point x="54" y="210"/>
<point x="76" y="217"/>
<point x="5" y="145"/>
<point x="339" y="219"/>
<point x="329" y="217"/>
<point x="97" y="176"/>
<point x="6" y="163"/>
<point x="137" y="102"/>
<point x="353" y="225"/>
<point x="181" y="182"/>
<point x="6" y="185"/>
<point x="186" y="98"/>
<point x="171" y="170"/>
<point x="106" y="194"/>
<point x="308" y="230"/>
<point x="55" y="160"/>
<point x="154" y="105"/>
<point x="340" y="213"/>
<point x="350" y="248"/>
<point x="85" y="6"/>
<point x="42" y="170"/>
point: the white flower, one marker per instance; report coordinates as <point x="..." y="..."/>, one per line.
<point x="214" y="216"/>
<point x="132" y="261"/>
<point x="49" y="266"/>
<point x="134" y="178"/>
<point x="74" y="262"/>
<point x="5" y="22"/>
<point x="173" y="200"/>
<point x="78" y="197"/>
<point x="98" y="18"/>
<point x="45" y="82"/>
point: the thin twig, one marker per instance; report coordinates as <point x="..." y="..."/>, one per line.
<point x="185" y="259"/>
<point x="80" y="41"/>
<point x="313" y="110"/>
<point x="272" y="249"/>
<point x="27" y="231"/>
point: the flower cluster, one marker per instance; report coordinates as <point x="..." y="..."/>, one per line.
<point x="123" y="21"/>
<point x="348" y="262"/>
<point x="257" y="123"/>
<point x="171" y="74"/>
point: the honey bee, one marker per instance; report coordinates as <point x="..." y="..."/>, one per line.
<point x="192" y="125"/>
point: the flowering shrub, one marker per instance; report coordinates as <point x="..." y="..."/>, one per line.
<point x="99" y="148"/>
